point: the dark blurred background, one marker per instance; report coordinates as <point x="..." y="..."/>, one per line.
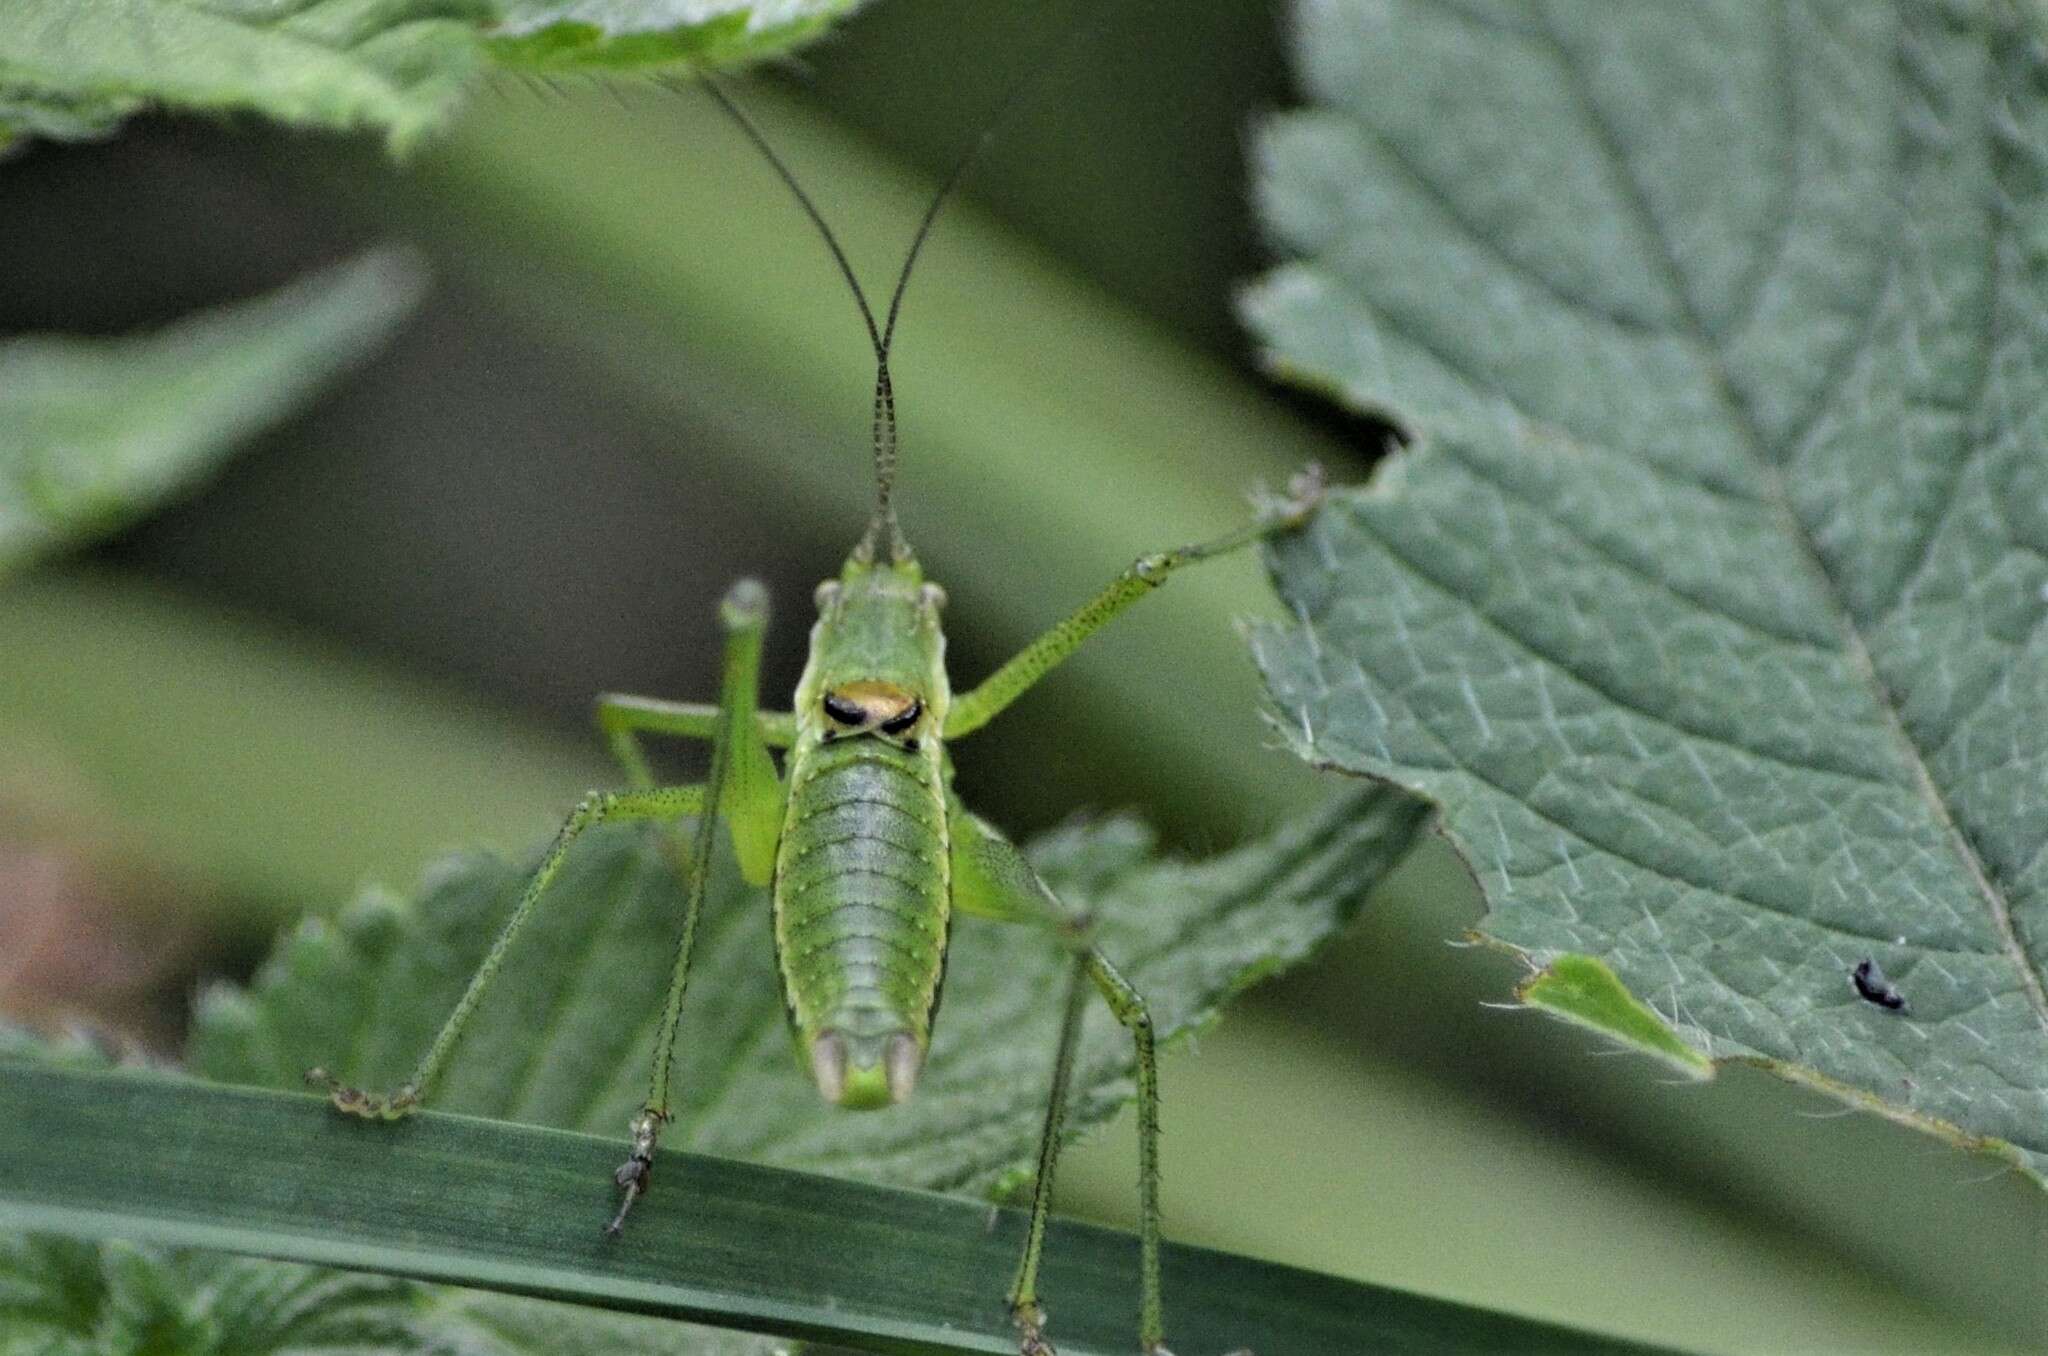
<point x="636" y="378"/>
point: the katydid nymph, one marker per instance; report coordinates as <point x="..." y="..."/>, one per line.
<point x="864" y="846"/>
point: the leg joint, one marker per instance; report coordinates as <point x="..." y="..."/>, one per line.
<point x="745" y="605"/>
<point x="1154" y="568"/>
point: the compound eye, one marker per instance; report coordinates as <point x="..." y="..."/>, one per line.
<point x="843" y="711"/>
<point x="896" y="725"/>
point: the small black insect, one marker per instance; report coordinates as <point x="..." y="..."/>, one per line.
<point x="1873" y="987"/>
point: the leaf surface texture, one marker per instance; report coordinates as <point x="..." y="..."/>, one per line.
<point x="1710" y="603"/>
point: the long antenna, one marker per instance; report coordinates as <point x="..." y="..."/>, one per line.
<point x="753" y="133"/>
<point x="883" y="531"/>
<point x="1011" y="98"/>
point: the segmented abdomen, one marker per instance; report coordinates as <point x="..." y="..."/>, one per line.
<point x="861" y="889"/>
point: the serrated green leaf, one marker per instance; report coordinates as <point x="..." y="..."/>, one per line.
<point x="625" y="34"/>
<point x="122" y="1299"/>
<point x="96" y="432"/>
<point x="75" y="68"/>
<point x="1582" y="989"/>
<point x="67" y="1296"/>
<point x="1710" y="604"/>
<point x="565" y="1037"/>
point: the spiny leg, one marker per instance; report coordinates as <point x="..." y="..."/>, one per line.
<point x="974" y="709"/>
<point x="745" y="615"/>
<point x="1025" y="1310"/>
<point x="992" y="879"/>
<point x="744" y="787"/>
<point x="673" y="802"/>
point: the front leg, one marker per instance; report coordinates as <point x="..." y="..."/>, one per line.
<point x="974" y="709"/>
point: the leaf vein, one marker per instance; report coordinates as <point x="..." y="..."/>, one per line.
<point x="1751" y="290"/>
<point x="1633" y="706"/>
<point x="1665" y="873"/>
<point x="1441" y="199"/>
<point x="1635" y="570"/>
<point x="1463" y="369"/>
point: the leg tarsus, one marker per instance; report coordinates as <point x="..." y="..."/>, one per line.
<point x="371" y="1106"/>
<point x="635" y="1174"/>
<point x="632" y="1178"/>
<point x="1030" y="1321"/>
<point x="1305" y="490"/>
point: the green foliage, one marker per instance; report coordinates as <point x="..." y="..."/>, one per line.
<point x="60" y="1297"/>
<point x="66" y="1297"/>
<point x="96" y="432"/>
<point x="1581" y="989"/>
<point x="79" y="66"/>
<point x="1708" y="603"/>
<point x="75" y="68"/>
<point x="566" y="1035"/>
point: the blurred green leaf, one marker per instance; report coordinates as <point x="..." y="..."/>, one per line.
<point x="94" y="433"/>
<point x="339" y="64"/>
<point x="71" y="1297"/>
<point x="453" y="1198"/>
<point x="73" y="116"/>
<point x="1709" y="605"/>
<point x="115" y="729"/>
<point x="565" y="1037"/>
<point x="73" y="68"/>
<point x="63" y="1297"/>
<point x="624" y="34"/>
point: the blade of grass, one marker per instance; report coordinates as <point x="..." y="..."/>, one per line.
<point x="507" y="1207"/>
